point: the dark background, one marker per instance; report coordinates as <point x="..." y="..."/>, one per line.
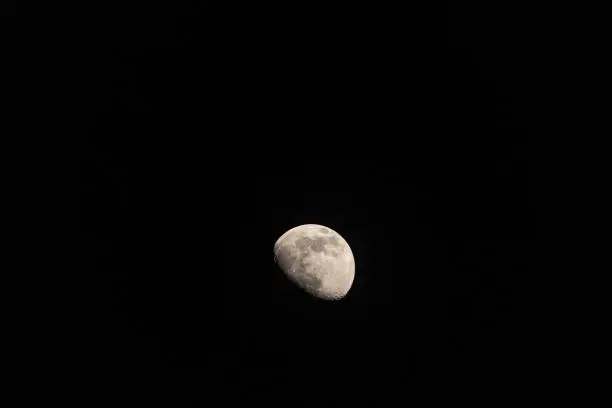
<point x="210" y="131"/>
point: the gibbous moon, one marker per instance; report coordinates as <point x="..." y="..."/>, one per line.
<point x="317" y="259"/>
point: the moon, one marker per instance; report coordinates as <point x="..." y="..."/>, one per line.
<point x="317" y="259"/>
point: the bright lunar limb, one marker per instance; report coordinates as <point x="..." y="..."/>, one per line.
<point x="317" y="259"/>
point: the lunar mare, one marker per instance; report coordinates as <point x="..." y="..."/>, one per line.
<point x="317" y="259"/>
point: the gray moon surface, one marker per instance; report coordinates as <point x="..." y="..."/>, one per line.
<point x="317" y="259"/>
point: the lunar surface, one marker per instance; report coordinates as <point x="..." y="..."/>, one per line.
<point x="317" y="259"/>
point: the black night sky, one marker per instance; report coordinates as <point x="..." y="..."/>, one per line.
<point x="211" y="130"/>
